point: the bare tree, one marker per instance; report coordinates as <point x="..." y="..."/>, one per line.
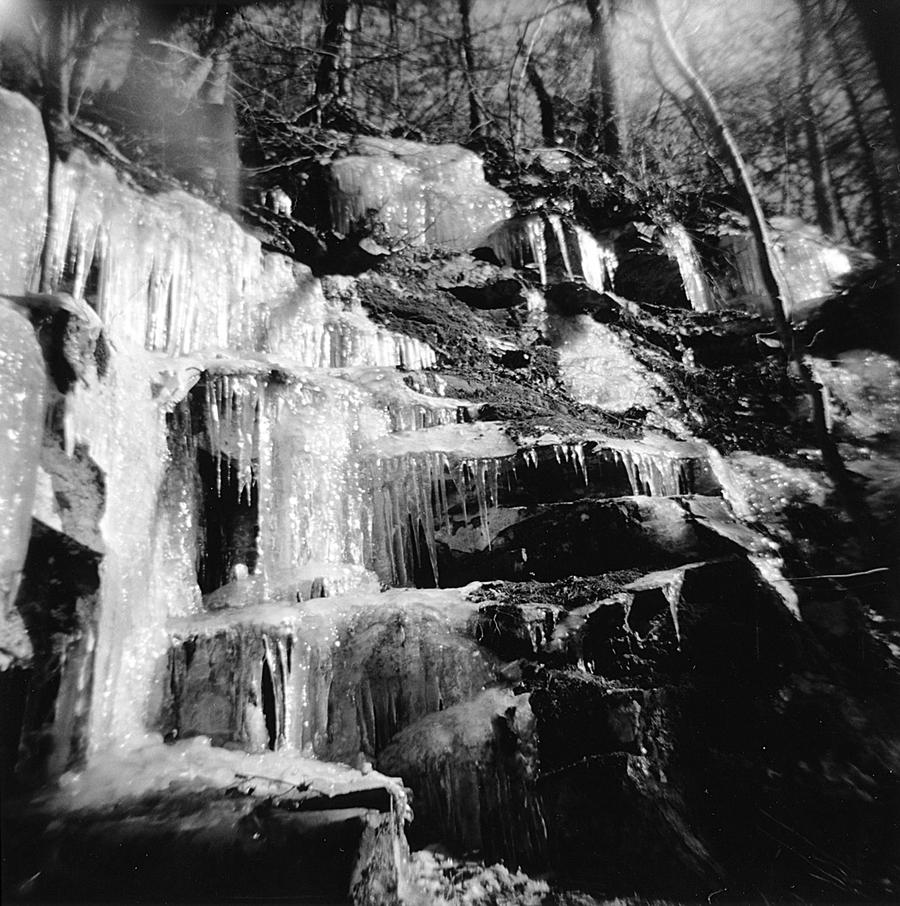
<point x="71" y="32"/>
<point x="601" y="115"/>
<point x="820" y="171"/>
<point x="882" y="235"/>
<point x="880" y="21"/>
<point x="329" y="84"/>
<point x="777" y="292"/>
<point x="477" y="125"/>
<point x="545" y="101"/>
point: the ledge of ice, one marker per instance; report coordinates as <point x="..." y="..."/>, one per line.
<point x="116" y="776"/>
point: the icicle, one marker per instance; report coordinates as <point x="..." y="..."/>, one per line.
<point x="679" y="246"/>
<point x="534" y="232"/>
<point x="557" y="226"/>
<point x="654" y="474"/>
<point x="477" y="469"/>
<point x="175" y="274"/>
<point x="582" y="462"/>
<point x="598" y="262"/>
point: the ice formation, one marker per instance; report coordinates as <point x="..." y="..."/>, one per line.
<point x="808" y="263"/>
<point x="315" y="332"/>
<point x="187" y="300"/>
<point x="598" y="367"/>
<point x="678" y="245"/>
<point x="449" y="485"/>
<point x="333" y="677"/>
<point x="21" y="431"/>
<point x="152" y="767"/>
<point x="551" y="245"/>
<point x="420" y="193"/>
<point x="23" y="177"/>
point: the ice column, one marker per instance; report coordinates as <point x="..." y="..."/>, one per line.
<point x="22" y="382"/>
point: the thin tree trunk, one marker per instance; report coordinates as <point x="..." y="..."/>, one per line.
<point x="345" y="57"/>
<point x="58" y="61"/>
<point x="853" y="502"/>
<point x="334" y="19"/>
<point x="823" y="187"/>
<point x="394" y="45"/>
<point x="882" y="234"/>
<point x="545" y="102"/>
<point x="880" y="20"/>
<point x="88" y="33"/>
<point x="476" y="120"/>
<point x="602" y="131"/>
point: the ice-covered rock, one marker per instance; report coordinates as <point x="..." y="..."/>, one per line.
<point x="808" y="262"/>
<point x="334" y="676"/>
<point x="420" y="193"/>
<point x="473" y="768"/>
<point x="219" y="824"/>
<point x="555" y="248"/>
<point x="456" y="486"/>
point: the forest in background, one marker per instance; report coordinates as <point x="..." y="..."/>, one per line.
<point x="227" y="93"/>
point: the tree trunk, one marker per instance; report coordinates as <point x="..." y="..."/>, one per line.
<point x="823" y="187"/>
<point x="882" y="235"/>
<point x="89" y="31"/>
<point x="476" y="120"/>
<point x="601" y="116"/>
<point x="394" y="46"/>
<point x="853" y="502"/>
<point x="880" y="20"/>
<point x="58" y="64"/>
<point x="545" y="102"/>
<point x="334" y="20"/>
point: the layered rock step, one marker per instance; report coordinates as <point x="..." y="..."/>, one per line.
<point x="449" y="689"/>
<point x="335" y="677"/>
<point x="568" y="768"/>
<point x="461" y="502"/>
<point x="197" y="824"/>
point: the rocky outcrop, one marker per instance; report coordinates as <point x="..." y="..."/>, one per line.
<point x="138" y="825"/>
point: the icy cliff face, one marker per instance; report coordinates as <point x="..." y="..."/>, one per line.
<point x="167" y="273"/>
<point x="421" y="193"/>
<point x="183" y="292"/>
